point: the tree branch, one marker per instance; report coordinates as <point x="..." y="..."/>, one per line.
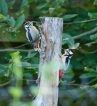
<point x="6" y="83"/>
<point x="79" y="22"/>
<point x="69" y="23"/>
<point x="21" y="45"/>
<point x="13" y="50"/>
<point x="86" y="33"/>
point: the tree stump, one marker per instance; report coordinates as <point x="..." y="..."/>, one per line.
<point x="51" y="41"/>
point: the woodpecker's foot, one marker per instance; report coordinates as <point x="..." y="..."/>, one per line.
<point x="37" y="49"/>
<point x="38" y="80"/>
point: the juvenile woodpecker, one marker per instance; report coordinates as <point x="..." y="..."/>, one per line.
<point x="65" y="61"/>
<point x="32" y="34"/>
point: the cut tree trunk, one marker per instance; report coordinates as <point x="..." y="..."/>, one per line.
<point x="51" y="41"/>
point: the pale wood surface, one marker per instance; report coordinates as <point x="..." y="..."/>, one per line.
<point x="49" y="61"/>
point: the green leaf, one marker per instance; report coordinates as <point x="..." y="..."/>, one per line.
<point x="25" y="64"/>
<point x="93" y="37"/>
<point x="3" y="7"/>
<point x="13" y="35"/>
<point x="30" y="1"/>
<point x="19" y="21"/>
<point x="15" y="54"/>
<point x="93" y="80"/>
<point x="88" y="75"/>
<point x="30" y="56"/>
<point x="20" y="12"/>
<point x="89" y="69"/>
<point x="92" y="15"/>
<point x="16" y="92"/>
<point x="40" y="6"/>
<point x="2" y="24"/>
<point x="69" y="16"/>
<point x="11" y="21"/>
<point x="3" y="70"/>
<point x="1" y="17"/>
<point x="10" y="4"/>
<point x="48" y="1"/>
<point x="51" y="10"/>
<point x="27" y="75"/>
<point x="95" y="2"/>
<point x="24" y="3"/>
<point x="34" y="66"/>
<point x="94" y="86"/>
<point x="75" y="46"/>
<point x="34" y="90"/>
<point x="45" y="11"/>
<point x="68" y="39"/>
<point x="68" y="75"/>
<point x="4" y="18"/>
<point x="29" y="65"/>
<point x="96" y="68"/>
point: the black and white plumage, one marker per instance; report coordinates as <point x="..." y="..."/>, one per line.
<point x="32" y="34"/>
<point x="65" y="59"/>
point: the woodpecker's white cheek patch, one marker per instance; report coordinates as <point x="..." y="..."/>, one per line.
<point x="71" y="52"/>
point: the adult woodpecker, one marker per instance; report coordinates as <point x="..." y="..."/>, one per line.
<point x="32" y="34"/>
<point x="65" y="61"/>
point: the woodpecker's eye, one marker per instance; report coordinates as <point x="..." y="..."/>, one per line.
<point x="28" y="24"/>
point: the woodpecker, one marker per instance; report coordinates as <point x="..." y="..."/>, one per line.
<point x="32" y="34"/>
<point x="65" y="61"/>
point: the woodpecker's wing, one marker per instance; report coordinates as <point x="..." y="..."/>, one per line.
<point x="66" y="65"/>
<point x="65" y="62"/>
<point x="34" y="33"/>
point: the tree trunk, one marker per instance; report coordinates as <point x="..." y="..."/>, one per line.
<point x="49" y="66"/>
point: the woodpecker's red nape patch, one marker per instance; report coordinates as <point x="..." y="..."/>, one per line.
<point x="27" y="22"/>
<point x="60" y="74"/>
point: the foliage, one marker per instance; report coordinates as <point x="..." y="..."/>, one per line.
<point x="84" y="62"/>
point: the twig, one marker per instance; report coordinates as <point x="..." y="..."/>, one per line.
<point x="6" y="83"/>
<point x="79" y="22"/>
<point x="69" y="23"/>
<point x="86" y="33"/>
<point x="13" y="50"/>
<point x="85" y="52"/>
<point x="21" y="45"/>
<point x="79" y="85"/>
<point x="28" y="80"/>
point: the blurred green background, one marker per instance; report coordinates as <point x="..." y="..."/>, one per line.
<point x="78" y="86"/>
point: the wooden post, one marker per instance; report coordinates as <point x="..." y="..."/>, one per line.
<point x="51" y="42"/>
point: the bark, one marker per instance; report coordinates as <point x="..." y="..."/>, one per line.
<point x="49" y="61"/>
